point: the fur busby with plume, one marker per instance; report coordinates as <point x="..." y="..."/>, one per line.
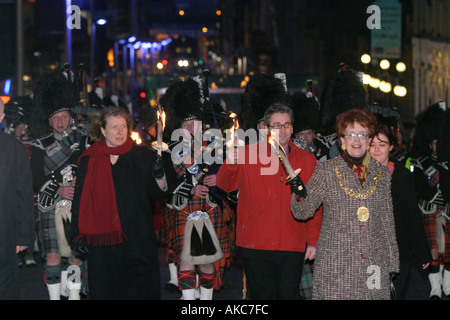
<point x="53" y="93"/>
<point x="342" y="92"/>
<point x="182" y="101"/>
<point x="261" y="91"/>
<point x="306" y="112"/>
<point x="427" y="129"/>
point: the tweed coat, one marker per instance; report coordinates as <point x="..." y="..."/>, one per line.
<point x="354" y="258"/>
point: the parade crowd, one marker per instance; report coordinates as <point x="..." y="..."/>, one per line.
<point x="330" y="201"/>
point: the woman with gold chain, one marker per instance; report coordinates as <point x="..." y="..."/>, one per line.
<point x="357" y="250"/>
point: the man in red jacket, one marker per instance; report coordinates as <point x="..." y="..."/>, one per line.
<point x="272" y="244"/>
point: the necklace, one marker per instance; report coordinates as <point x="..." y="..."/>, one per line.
<point x="362" y="212"/>
<point x="114" y="155"/>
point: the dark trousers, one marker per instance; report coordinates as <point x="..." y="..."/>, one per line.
<point x="272" y="275"/>
<point x="401" y="279"/>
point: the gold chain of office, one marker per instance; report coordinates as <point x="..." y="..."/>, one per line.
<point x="351" y="192"/>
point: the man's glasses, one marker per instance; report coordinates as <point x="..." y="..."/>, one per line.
<point x="287" y="125"/>
<point x="360" y="136"/>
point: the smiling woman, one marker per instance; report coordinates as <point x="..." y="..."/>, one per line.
<point x="357" y="234"/>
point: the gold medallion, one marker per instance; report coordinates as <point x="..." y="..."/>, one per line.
<point x="363" y="213"/>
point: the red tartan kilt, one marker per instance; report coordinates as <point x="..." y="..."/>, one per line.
<point x="174" y="224"/>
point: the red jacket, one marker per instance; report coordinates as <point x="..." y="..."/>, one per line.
<point x="264" y="219"/>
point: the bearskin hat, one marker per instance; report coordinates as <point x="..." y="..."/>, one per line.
<point x="53" y="93"/>
<point x="18" y="110"/>
<point x="342" y="92"/>
<point x="427" y="129"/>
<point x="261" y="91"/>
<point x="306" y="112"/>
<point x="390" y="117"/>
<point x="443" y="143"/>
<point x="182" y="101"/>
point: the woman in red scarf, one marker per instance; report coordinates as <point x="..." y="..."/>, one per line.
<point x="112" y="215"/>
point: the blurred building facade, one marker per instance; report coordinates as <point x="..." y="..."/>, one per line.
<point x="146" y="39"/>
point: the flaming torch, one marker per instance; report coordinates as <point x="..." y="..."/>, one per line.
<point x="135" y="136"/>
<point x="283" y="157"/>
<point x="234" y="141"/>
<point x="159" y="145"/>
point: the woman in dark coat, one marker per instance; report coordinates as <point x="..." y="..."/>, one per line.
<point x="409" y="228"/>
<point x="112" y="214"/>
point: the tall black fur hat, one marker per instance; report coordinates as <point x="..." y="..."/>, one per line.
<point x="342" y="92"/>
<point x="182" y="101"/>
<point x="53" y="93"/>
<point x="443" y="143"/>
<point x="261" y="91"/>
<point x="427" y="129"/>
<point x="306" y="112"/>
<point x="391" y="117"/>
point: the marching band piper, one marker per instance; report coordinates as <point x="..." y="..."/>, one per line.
<point x="434" y="207"/>
<point x="198" y="242"/>
<point x="54" y="164"/>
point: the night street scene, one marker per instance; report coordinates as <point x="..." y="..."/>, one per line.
<point x="241" y="151"/>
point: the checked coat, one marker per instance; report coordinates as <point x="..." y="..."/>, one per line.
<point x="354" y="258"/>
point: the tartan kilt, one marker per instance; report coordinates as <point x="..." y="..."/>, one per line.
<point x="48" y="241"/>
<point x="46" y="231"/>
<point x="429" y="222"/>
<point x="166" y="223"/>
<point x="176" y="221"/>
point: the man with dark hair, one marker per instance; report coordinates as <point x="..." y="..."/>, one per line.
<point x="16" y="210"/>
<point x="272" y="244"/>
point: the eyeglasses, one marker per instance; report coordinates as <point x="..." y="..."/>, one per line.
<point x="353" y="136"/>
<point x="287" y="125"/>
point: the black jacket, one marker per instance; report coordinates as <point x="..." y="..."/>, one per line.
<point x="16" y="211"/>
<point x="409" y="227"/>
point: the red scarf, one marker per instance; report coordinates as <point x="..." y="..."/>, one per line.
<point x="98" y="215"/>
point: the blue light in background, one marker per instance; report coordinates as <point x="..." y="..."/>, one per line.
<point x="101" y="22"/>
<point x="7" y="87"/>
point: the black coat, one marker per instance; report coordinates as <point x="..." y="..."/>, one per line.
<point x="409" y="227"/>
<point x="128" y="270"/>
<point x="16" y="211"/>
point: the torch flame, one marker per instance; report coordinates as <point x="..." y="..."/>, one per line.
<point x="235" y="125"/>
<point x="274" y="142"/>
<point x="135" y="136"/>
<point x="162" y="117"/>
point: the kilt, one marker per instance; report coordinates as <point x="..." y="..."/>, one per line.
<point x="47" y="235"/>
<point x="431" y="222"/>
<point x="174" y="234"/>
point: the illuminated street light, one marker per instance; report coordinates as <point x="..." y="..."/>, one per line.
<point x="400" y="91"/>
<point x="365" y="58"/>
<point x="183" y="63"/>
<point x="159" y="65"/>
<point x="385" y="86"/>
<point x="401" y="67"/>
<point x="101" y="22"/>
<point x="384" y="64"/>
<point x="366" y="78"/>
<point x="374" y="83"/>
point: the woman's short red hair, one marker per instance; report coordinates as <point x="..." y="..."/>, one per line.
<point x="362" y="116"/>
